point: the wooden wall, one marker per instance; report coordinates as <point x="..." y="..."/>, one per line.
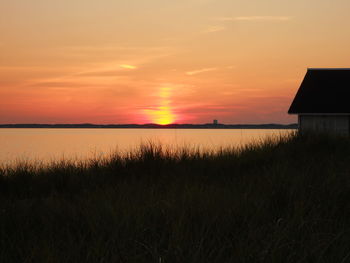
<point x="334" y="124"/>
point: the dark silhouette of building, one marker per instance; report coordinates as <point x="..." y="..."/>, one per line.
<point x="215" y="122"/>
<point x="323" y="101"/>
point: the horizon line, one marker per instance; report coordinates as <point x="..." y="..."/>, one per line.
<point x="121" y="124"/>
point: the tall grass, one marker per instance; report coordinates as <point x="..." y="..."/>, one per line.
<point x="284" y="199"/>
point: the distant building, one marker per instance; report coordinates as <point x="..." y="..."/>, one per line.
<point x="215" y="122"/>
<point x="323" y="101"/>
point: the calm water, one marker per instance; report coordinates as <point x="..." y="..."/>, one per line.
<point x="53" y="144"/>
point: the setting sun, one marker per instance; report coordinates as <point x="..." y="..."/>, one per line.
<point x="161" y="115"/>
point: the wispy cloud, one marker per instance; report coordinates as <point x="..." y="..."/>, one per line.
<point x="223" y="19"/>
<point x="253" y="18"/>
<point x="198" y="71"/>
<point x="126" y="66"/>
<point x="212" y="29"/>
<point x="263" y="18"/>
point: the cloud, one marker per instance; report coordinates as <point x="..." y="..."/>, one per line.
<point x="213" y="29"/>
<point x="253" y="18"/>
<point x="263" y="18"/>
<point x="107" y="73"/>
<point x="55" y="84"/>
<point x="223" y="19"/>
<point x="195" y="72"/>
<point x="126" y="66"/>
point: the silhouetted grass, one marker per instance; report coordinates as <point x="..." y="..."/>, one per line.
<point x="280" y="200"/>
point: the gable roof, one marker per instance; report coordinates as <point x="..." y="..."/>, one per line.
<point x="323" y="91"/>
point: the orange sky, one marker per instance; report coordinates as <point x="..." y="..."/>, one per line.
<point x="162" y="61"/>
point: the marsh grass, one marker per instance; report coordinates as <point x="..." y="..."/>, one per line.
<point x="283" y="199"/>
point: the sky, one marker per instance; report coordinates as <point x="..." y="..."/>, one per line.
<point x="163" y="61"/>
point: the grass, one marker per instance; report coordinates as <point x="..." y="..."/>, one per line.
<point x="280" y="200"/>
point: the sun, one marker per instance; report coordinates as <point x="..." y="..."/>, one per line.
<point x="161" y="115"/>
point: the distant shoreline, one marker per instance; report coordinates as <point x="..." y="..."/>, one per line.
<point x="153" y="126"/>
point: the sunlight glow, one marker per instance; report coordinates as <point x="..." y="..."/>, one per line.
<point x="162" y="114"/>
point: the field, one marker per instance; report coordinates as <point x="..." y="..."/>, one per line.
<point x="284" y="199"/>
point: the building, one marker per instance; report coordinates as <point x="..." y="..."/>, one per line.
<point x="322" y="102"/>
<point x="215" y="122"/>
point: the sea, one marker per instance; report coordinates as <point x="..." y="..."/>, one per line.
<point x="48" y="145"/>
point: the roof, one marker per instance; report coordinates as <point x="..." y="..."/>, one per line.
<point x="323" y="90"/>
